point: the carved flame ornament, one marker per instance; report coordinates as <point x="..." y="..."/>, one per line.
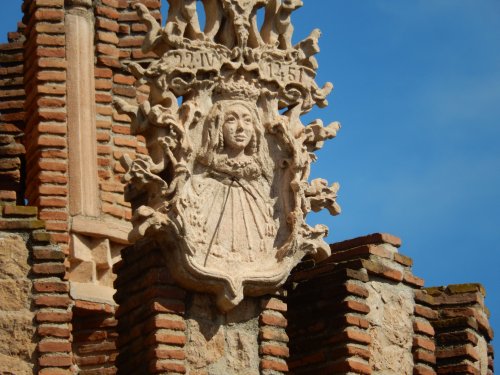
<point x="224" y="190"/>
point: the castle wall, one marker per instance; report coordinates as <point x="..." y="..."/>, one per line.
<point x="63" y="70"/>
<point x="58" y="131"/>
<point x="361" y="311"/>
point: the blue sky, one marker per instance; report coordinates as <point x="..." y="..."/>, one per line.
<point x="417" y="90"/>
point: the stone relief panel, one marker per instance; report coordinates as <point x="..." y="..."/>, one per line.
<point x="225" y="187"/>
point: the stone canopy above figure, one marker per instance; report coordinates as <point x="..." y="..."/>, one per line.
<point x="224" y="190"/>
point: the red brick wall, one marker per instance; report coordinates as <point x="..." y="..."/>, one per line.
<point x="462" y="331"/>
<point x="119" y="35"/>
<point x="328" y="305"/>
<point x="94" y="338"/>
<point x="25" y="76"/>
<point x="152" y="337"/>
<point x="12" y="115"/>
<point x="45" y="106"/>
<point x="327" y="323"/>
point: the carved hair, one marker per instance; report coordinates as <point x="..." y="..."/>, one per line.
<point x="213" y="137"/>
<point x="212" y="155"/>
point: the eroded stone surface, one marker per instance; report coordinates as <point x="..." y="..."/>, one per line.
<point x="222" y="344"/>
<point x="13" y="257"/>
<point x="14" y="366"/>
<point x="14" y="294"/>
<point x="391" y="328"/>
<point x="482" y="351"/>
<point x="16" y="320"/>
<point x="225" y="187"/>
<point x="16" y="334"/>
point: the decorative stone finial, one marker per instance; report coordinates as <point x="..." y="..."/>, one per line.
<point x="224" y="190"/>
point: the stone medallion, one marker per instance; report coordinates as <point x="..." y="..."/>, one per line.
<point x="225" y="190"/>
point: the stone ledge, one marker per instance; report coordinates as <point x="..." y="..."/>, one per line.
<point x="370" y="239"/>
<point x="13" y="224"/>
<point x="97" y="227"/>
<point x="92" y="293"/>
<point x="20" y="211"/>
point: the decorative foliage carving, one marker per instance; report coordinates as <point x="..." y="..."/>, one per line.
<point x="225" y="188"/>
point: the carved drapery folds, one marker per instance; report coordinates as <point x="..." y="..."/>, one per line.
<point x="225" y="188"/>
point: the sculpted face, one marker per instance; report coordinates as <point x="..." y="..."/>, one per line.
<point x="238" y="127"/>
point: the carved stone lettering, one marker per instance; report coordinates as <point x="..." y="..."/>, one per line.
<point x="225" y="190"/>
<point x="193" y="59"/>
<point x="282" y="73"/>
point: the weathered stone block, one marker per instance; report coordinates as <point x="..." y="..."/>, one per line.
<point x="15" y="294"/>
<point x="13" y="257"/>
<point x="16" y="336"/>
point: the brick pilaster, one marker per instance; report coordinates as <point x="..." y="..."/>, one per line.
<point x="46" y="126"/>
<point x="94" y="338"/>
<point x="151" y="326"/>
<point x="424" y="346"/>
<point x="327" y="319"/>
<point x="119" y="36"/>
<point x="463" y="333"/>
<point x="273" y="338"/>
<point x="342" y="308"/>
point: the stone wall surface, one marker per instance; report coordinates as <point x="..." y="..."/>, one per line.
<point x="17" y="345"/>
<point x="391" y="328"/>
<point x="222" y="344"/>
<point x="391" y="322"/>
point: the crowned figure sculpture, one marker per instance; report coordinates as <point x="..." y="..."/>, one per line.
<point x="224" y="191"/>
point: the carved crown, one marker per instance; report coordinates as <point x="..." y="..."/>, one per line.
<point x="236" y="89"/>
<point x="231" y="45"/>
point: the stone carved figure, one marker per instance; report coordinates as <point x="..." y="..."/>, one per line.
<point x="237" y="228"/>
<point x="225" y="190"/>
